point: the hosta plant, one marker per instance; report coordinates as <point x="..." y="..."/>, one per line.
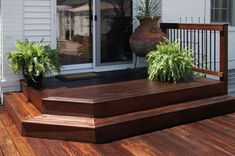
<point x="34" y="60"/>
<point x="168" y="63"/>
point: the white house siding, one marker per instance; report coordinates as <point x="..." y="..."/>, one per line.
<point x="22" y="19"/>
<point x="37" y="20"/>
<point x="195" y="11"/>
<point x="231" y="47"/>
<point x="12" y="28"/>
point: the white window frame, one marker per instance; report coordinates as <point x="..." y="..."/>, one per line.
<point x="220" y="8"/>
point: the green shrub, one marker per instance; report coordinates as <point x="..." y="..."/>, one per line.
<point x="34" y="59"/>
<point x="168" y="63"/>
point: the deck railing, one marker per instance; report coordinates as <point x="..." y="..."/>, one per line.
<point x="209" y="44"/>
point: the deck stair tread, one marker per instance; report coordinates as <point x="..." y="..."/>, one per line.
<point x="126" y="89"/>
<point x="100" y="113"/>
<point x="62" y="120"/>
<point x="103" y="100"/>
<point x="99" y="122"/>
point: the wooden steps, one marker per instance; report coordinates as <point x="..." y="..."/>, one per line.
<point x="100" y="130"/>
<point x="119" y="105"/>
<point x="19" y="108"/>
<point x="103" y="100"/>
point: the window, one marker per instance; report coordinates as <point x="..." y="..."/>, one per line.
<point x="221" y="11"/>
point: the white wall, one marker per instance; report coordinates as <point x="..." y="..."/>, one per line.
<point x="194" y="11"/>
<point x="186" y="10"/>
<point x="37" y="20"/>
<point x="12" y="27"/>
<point x="22" y="19"/>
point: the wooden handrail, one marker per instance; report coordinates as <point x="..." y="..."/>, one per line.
<point x="209" y="72"/>
<point x="197" y="34"/>
<point x="188" y="26"/>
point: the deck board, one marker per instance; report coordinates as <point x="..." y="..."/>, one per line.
<point x="6" y="142"/>
<point x="20" y="142"/>
<point x="214" y="136"/>
<point x="119" y="90"/>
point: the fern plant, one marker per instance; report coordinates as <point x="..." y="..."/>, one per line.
<point x="168" y="63"/>
<point x="34" y="60"/>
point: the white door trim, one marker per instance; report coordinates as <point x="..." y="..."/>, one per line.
<point x="53" y="24"/>
<point x="79" y="68"/>
<point x="73" y="68"/>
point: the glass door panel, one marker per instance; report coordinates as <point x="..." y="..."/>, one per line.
<point x="115" y="24"/>
<point x="74" y="31"/>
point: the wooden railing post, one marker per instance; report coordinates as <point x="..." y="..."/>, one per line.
<point x="224" y="56"/>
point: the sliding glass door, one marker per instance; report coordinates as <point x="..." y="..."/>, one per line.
<point x="94" y="32"/>
<point x="114" y="29"/>
<point x="74" y="31"/>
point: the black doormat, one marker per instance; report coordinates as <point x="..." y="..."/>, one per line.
<point x="80" y="76"/>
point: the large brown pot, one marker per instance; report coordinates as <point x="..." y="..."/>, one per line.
<point x="146" y="36"/>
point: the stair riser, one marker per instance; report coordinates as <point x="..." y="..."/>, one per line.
<point x="32" y="95"/>
<point x="103" y="134"/>
<point x="58" y="132"/>
<point x="127" y="105"/>
<point x="13" y="114"/>
<point x="116" y="132"/>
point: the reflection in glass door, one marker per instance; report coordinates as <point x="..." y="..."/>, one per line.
<point x="115" y="28"/>
<point x="74" y="31"/>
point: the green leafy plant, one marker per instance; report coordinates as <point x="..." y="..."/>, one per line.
<point x="147" y="8"/>
<point x="168" y="63"/>
<point x="34" y="60"/>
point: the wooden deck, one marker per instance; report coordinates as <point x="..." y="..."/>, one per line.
<point x="214" y="136"/>
<point x="118" y="105"/>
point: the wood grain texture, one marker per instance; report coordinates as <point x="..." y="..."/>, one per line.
<point x="204" y="71"/>
<point x="103" y="100"/>
<point x="113" y="108"/>
<point x="216" y="27"/>
<point x="99" y="130"/>
<point x="6" y="143"/>
<point x="1" y="153"/>
<point x="208" y="137"/>
<point x="21" y="143"/>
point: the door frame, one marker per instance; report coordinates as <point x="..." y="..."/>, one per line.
<point x="88" y="67"/>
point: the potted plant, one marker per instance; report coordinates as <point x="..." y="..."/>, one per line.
<point x="34" y="60"/>
<point x="168" y="63"/>
<point x="148" y="34"/>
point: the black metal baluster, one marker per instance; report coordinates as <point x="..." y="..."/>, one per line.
<point x="206" y="48"/>
<point x="177" y="31"/>
<point x="187" y="38"/>
<point x="168" y="34"/>
<point x="202" y="48"/>
<point x="198" y="48"/>
<point x="194" y="53"/>
<point x="214" y="50"/>
<point x="174" y="35"/>
<point x="181" y="40"/>
<point x="210" y="50"/>
<point x="191" y="39"/>
<point x="171" y="36"/>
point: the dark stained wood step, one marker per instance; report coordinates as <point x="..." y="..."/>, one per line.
<point x="103" y="100"/>
<point x="100" y="130"/>
<point x="209" y="137"/>
<point x="19" y="108"/>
